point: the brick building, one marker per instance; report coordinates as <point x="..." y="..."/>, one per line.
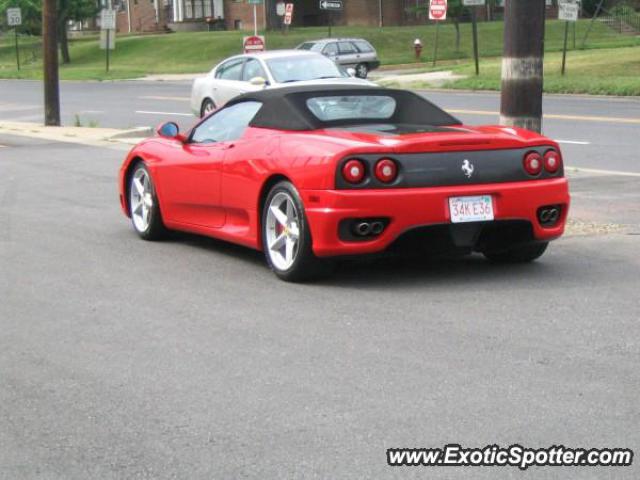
<point x="186" y="15"/>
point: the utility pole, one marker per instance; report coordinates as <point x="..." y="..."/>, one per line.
<point x="522" y="64"/>
<point x="50" y="55"/>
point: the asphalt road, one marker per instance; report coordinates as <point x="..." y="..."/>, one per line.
<point x="596" y="132"/>
<point x="186" y="358"/>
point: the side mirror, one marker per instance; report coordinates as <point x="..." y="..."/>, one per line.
<point x="258" y="81"/>
<point x="351" y="72"/>
<point x="169" y="130"/>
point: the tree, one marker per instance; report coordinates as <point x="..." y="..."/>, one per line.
<point x="76" y="11"/>
<point x="455" y="12"/>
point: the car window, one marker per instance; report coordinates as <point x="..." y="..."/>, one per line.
<point x="230" y="70"/>
<point x="346" y="107"/>
<point x="253" y="69"/>
<point x="300" y="68"/>
<point x="227" y="124"/>
<point x="346" y="48"/>
<point x="363" y="46"/>
<point x="306" y="46"/>
<point x="330" y="49"/>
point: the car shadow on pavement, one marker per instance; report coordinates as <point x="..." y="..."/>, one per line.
<point x="390" y="271"/>
<point x="221" y="247"/>
<point x="398" y="272"/>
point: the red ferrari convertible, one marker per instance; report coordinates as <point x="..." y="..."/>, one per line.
<point x="309" y="173"/>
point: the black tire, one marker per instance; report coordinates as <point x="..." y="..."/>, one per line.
<point x="207" y="107"/>
<point x="306" y="266"/>
<point x="518" y="254"/>
<point x="362" y="70"/>
<point x="155" y="229"/>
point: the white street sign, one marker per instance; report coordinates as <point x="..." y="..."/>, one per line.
<point x="14" y="17"/>
<point x="473" y="3"/>
<point x="331" y="4"/>
<point x="280" y="9"/>
<point x="108" y="19"/>
<point x="568" y="11"/>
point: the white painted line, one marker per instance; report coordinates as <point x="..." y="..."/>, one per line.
<point x="160" y="97"/>
<point x="145" y="112"/>
<point x="603" y="172"/>
<point x="573" y="142"/>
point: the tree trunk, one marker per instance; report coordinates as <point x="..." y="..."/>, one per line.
<point x="457" y="25"/>
<point x="64" y="42"/>
<point x="162" y="23"/>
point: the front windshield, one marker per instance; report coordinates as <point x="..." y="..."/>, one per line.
<point x="301" y="68"/>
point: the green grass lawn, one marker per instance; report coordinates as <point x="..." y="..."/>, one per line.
<point x="137" y="56"/>
<point x="603" y="71"/>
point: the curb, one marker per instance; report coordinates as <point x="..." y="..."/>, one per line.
<point x="140" y="132"/>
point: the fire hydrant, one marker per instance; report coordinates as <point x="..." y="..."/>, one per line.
<point x="417" y="45"/>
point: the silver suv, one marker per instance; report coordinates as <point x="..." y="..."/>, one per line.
<point x="354" y="53"/>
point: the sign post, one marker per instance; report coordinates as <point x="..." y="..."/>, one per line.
<point x="107" y="24"/>
<point x="438" y="13"/>
<point x="14" y="19"/>
<point x="255" y="4"/>
<point x="568" y="11"/>
<point x="474" y="18"/>
<point x="331" y="6"/>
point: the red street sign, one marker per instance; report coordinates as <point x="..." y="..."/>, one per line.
<point x="438" y="10"/>
<point x="253" y="44"/>
<point x="288" y="14"/>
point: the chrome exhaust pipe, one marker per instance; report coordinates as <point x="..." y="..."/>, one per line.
<point x="545" y="215"/>
<point x="363" y="229"/>
<point x="554" y="214"/>
<point x="377" y="228"/>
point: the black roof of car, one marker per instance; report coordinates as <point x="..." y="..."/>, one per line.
<point x="286" y="108"/>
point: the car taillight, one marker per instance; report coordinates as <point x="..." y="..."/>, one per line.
<point x="552" y="161"/>
<point x="386" y="170"/>
<point x="533" y="163"/>
<point x="353" y="171"/>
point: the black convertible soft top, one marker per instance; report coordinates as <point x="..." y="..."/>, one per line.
<point x="286" y="108"/>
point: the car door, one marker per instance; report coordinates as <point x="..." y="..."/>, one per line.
<point x="348" y="55"/>
<point x="331" y="50"/>
<point x="252" y="70"/>
<point x="228" y="81"/>
<point x="190" y="179"/>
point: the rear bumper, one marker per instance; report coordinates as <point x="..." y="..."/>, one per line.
<point x="410" y="208"/>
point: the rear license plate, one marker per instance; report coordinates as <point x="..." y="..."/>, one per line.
<point x="471" y="209"/>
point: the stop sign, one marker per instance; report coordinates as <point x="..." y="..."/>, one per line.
<point x="254" y="43"/>
<point x="438" y="10"/>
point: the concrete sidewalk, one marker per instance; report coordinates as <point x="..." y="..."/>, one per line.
<point x="82" y="135"/>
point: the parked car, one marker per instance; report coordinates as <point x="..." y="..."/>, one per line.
<point x="251" y="72"/>
<point x="354" y="53"/>
<point x="310" y="173"/>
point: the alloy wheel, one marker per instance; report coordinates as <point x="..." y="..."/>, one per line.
<point x="141" y="199"/>
<point x="282" y="231"/>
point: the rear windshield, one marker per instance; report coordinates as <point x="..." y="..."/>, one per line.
<point x="352" y="107"/>
<point x="363" y="46"/>
<point x="306" y="46"/>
